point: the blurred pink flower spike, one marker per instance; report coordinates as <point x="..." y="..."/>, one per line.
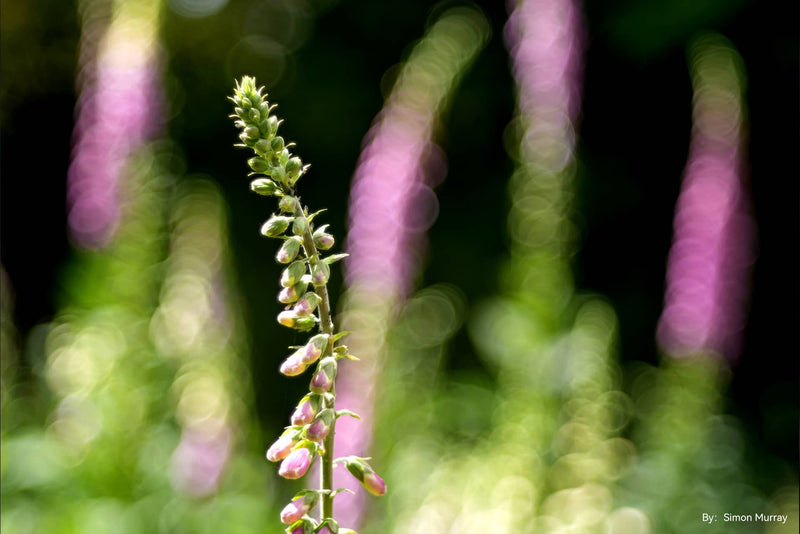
<point x="119" y="110"/>
<point x="199" y="462"/>
<point x="391" y="207"/>
<point x="714" y="234"/>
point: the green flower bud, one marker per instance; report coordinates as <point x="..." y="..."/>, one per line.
<point x="269" y="126"/>
<point x="263" y="186"/>
<point x="293" y="167"/>
<point x="287" y="204"/>
<point x="293" y="273"/>
<point x="251" y="131"/>
<point x="290" y="248"/>
<point x="278" y="175"/>
<point x="283" y="157"/>
<point x="275" y="226"/>
<point x="258" y="164"/>
<point x="307" y="304"/>
<point x="300" y="225"/>
<point x="254" y="116"/>
<point x="305" y="324"/>
<point x="240" y="112"/>
<point x="262" y="148"/>
<point x="246" y="140"/>
<point x="277" y="144"/>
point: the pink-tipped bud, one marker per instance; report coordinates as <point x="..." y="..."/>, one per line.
<point x="362" y="471"/>
<point x="322" y="380"/>
<point x="287" y="204"/>
<point x="322" y="239"/>
<point x="296" y="464"/>
<point x="307" y="304"/>
<point x="300" y="506"/>
<point x="289" y="250"/>
<point x="293" y="365"/>
<point x="292" y="293"/>
<point x="281" y="448"/>
<point x="293" y="273"/>
<point x="374" y="484"/>
<point x="306" y="410"/>
<point x="321" y="425"/>
<point x="320" y="273"/>
<point x="314" y="348"/>
<point x="275" y="226"/>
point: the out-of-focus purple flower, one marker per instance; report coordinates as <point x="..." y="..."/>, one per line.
<point x="296" y="464"/>
<point x="199" y="461"/>
<point x="119" y="109"/>
<point x="392" y="204"/>
<point x="713" y="241"/>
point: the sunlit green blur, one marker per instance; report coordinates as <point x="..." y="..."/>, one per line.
<point x="495" y="393"/>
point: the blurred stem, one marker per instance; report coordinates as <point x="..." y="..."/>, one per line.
<point x="326" y="327"/>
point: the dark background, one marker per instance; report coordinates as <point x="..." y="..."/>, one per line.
<point x="633" y="143"/>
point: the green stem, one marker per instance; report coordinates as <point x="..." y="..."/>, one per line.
<point x="326" y="327"/>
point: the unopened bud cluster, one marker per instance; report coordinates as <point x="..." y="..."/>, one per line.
<point x="303" y="291"/>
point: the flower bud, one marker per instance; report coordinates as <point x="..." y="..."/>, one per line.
<point x="362" y="471"/>
<point x="293" y="167"/>
<point x="278" y="174"/>
<point x="300" y="225"/>
<point x="290" y="248"/>
<point x="291" y="294"/>
<point x="277" y="144"/>
<point x="254" y="116"/>
<point x="320" y="273"/>
<point x="262" y="148"/>
<point x="299" y="507"/>
<point x="287" y="318"/>
<point x="246" y="140"/>
<point x="322" y="380"/>
<point x="283" y="157"/>
<point x="293" y="365"/>
<point x="305" y="324"/>
<point x="263" y="186"/>
<point x="281" y="448"/>
<point x="306" y="410"/>
<point x="240" y="112"/>
<point x="307" y="304"/>
<point x="287" y="204"/>
<point x="293" y="273"/>
<point x="275" y="226"/>
<point x="251" y="132"/>
<point x="271" y="125"/>
<point x="296" y="464"/>
<point x="323" y="241"/>
<point x="321" y="425"/>
<point x="258" y="164"/>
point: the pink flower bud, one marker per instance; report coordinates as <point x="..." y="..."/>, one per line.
<point x="322" y="380"/>
<point x="313" y="349"/>
<point x="296" y="464"/>
<point x="289" y="250"/>
<point x="288" y="294"/>
<point x="374" y="484"/>
<point x="321" y="426"/>
<point x="307" y="304"/>
<point x="281" y="448"/>
<point x="299" y="507"/>
<point x="293" y="273"/>
<point x="306" y="410"/>
<point x="293" y="365"/>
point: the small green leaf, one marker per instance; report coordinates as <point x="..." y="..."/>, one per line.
<point x="333" y="258"/>
<point x="348" y="412"/>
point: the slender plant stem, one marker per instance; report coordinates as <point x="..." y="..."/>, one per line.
<point x="326" y="327"/>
